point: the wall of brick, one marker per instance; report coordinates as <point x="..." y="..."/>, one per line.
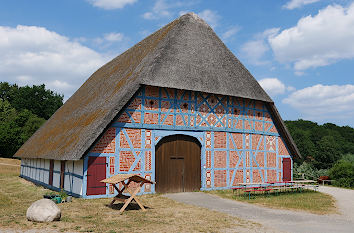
<point x="240" y="142"/>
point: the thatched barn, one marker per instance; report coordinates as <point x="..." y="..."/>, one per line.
<point x="177" y="108"/>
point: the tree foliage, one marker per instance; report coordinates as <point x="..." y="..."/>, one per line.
<point x="308" y="171"/>
<point x="321" y="145"/>
<point x="322" y="148"/>
<point x="36" y="99"/>
<point x="22" y="111"/>
<point x="15" y="127"/>
<point x="343" y="171"/>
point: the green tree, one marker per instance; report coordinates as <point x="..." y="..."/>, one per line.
<point x="8" y="129"/>
<point x="15" y="128"/>
<point x="37" y="99"/>
<point x="327" y="152"/>
<point x="304" y="144"/>
<point x="343" y="171"/>
<point x="321" y="145"/>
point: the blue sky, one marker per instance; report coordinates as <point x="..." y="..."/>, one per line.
<point x="301" y="51"/>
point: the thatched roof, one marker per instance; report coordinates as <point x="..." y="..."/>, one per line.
<point x="185" y="54"/>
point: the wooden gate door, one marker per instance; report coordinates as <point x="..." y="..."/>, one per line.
<point x="96" y="172"/>
<point x="286" y="169"/>
<point x="178" y="164"/>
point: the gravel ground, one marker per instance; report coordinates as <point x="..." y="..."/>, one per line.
<point x="273" y="220"/>
<point x="280" y="220"/>
<point x="344" y="198"/>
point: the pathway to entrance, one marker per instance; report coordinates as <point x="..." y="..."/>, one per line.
<point x="282" y="220"/>
<point x="345" y="200"/>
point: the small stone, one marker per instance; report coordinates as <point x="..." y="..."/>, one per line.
<point x="43" y="210"/>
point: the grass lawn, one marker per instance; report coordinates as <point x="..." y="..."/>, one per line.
<point x="310" y="201"/>
<point x="82" y="215"/>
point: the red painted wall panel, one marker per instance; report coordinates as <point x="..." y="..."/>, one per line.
<point x="95" y="173"/>
<point x="286" y="169"/>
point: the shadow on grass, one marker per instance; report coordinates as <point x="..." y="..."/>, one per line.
<point x="131" y="206"/>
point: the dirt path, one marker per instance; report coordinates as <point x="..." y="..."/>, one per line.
<point x="281" y="220"/>
<point x="345" y="200"/>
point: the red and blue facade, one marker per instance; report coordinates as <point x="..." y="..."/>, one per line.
<point x="239" y="141"/>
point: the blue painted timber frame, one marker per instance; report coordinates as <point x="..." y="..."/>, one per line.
<point x="35" y="169"/>
<point x="159" y="131"/>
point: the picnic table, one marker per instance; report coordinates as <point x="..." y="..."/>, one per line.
<point x="255" y="187"/>
<point x="276" y="186"/>
<point x="125" y="180"/>
<point x="306" y="184"/>
<point x="302" y="181"/>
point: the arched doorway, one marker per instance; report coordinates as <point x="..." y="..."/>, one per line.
<point x="178" y="164"/>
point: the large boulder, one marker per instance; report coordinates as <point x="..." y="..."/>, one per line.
<point x="43" y="210"/>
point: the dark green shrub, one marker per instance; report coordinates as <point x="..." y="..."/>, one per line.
<point x="343" y="171"/>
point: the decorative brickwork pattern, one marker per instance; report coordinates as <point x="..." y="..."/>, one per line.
<point x="111" y="165"/>
<point x="188" y="109"/>
<point x="111" y="189"/>
<point x="248" y="176"/>
<point x="220" y="178"/>
<point x="148" y="139"/>
<point x="147" y="160"/>
<point x="220" y="140"/>
<point x="208" y="179"/>
<point x="271" y="175"/>
<point x="238" y="177"/>
<point x="240" y="142"/>
<point x="208" y="159"/>
<point x="107" y="143"/>
<point x="271" y="159"/>
<point x="257" y="142"/>
<point x="256" y="176"/>
<point x="259" y="160"/>
<point x="126" y="160"/>
<point x="236" y="141"/>
<point x="147" y="186"/>
<point x="234" y="159"/>
<point x="282" y="148"/>
<point x="208" y="140"/>
<point x="248" y="159"/>
<point x="220" y="159"/>
<point x="271" y="143"/>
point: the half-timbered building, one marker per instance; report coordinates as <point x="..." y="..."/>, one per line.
<point x="177" y="108"/>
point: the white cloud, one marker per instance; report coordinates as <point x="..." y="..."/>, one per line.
<point x="113" y="36"/>
<point x="108" y="38"/>
<point x="111" y="44"/>
<point x="298" y="3"/>
<point x="183" y="13"/>
<point x="230" y="32"/>
<point x="145" y="33"/>
<point x="34" y="55"/>
<point x="166" y="8"/>
<point x="317" y="40"/>
<point x="160" y="9"/>
<point x="255" y="49"/>
<point x="273" y="86"/>
<point x="211" y="17"/>
<point x="290" y="88"/>
<point x="111" y="4"/>
<point x="324" y="101"/>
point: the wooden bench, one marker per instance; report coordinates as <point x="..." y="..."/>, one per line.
<point x="315" y="187"/>
<point x="249" y="191"/>
<point x="237" y="189"/>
